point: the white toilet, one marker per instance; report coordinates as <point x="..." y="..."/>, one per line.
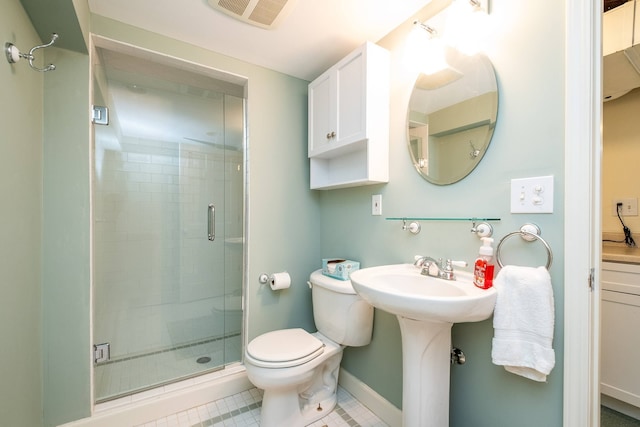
<point x="297" y="370"/>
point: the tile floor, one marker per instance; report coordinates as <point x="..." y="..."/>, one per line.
<point x="243" y="410"/>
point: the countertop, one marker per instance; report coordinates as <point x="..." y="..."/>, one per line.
<point x="619" y="252"/>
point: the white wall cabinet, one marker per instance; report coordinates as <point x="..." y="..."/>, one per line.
<point x="620" y="345"/>
<point x="349" y="121"/>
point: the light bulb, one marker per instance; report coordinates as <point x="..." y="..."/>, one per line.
<point x="424" y="51"/>
<point x="466" y="27"/>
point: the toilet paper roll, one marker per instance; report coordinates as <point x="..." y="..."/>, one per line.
<point x="280" y="281"/>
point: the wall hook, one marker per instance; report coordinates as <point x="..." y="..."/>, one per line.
<point x="13" y="54"/>
<point x="474" y="153"/>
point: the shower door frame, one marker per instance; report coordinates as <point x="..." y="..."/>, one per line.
<point x="101" y="42"/>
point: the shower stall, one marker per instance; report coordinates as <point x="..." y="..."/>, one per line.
<point x="168" y="196"/>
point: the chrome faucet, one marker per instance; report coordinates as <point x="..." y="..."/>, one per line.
<point x="440" y="269"/>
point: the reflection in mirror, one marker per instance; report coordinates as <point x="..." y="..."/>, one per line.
<point x="451" y="118"/>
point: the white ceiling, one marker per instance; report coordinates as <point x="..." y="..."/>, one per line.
<point x="314" y="36"/>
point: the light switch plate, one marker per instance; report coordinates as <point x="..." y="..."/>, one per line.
<point x="532" y="195"/>
<point x="376" y="204"/>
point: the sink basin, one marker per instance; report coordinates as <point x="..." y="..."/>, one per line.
<point x="426" y="308"/>
<point x="400" y="289"/>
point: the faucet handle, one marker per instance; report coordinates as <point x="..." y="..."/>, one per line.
<point x="447" y="269"/>
<point x="450" y="264"/>
<point x="458" y="263"/>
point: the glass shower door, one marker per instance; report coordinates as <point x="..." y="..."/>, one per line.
<point x="168" y="205"/>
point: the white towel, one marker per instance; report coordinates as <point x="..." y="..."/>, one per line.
<point x="523" y="322"/>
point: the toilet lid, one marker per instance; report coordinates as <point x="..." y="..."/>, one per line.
<point x="285" y="347"/>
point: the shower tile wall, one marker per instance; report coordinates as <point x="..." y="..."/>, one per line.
<point x="154" y="272"/>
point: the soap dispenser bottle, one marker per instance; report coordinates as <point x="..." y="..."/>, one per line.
<point x="483" y="268"/>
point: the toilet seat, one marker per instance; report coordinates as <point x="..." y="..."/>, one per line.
<point x="284" y="348"/>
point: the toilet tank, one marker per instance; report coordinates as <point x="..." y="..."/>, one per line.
<point x="339" y="312"/>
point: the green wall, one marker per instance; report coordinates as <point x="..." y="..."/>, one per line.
<point x="528" y="142"/>
<point x="20" y="229"/>
<point x="66" y="234"/>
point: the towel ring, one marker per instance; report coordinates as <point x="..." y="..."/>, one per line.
<point x="528" y="232"/>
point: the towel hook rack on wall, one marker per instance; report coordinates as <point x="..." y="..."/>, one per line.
<point x="13" y="54"/>
<point x="528" y="232"/>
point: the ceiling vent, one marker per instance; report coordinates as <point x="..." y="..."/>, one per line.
<point x="262" y="13"/>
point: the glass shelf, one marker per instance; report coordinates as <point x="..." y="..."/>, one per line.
<point x="412" y="218"/>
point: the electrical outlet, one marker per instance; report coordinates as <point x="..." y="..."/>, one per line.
<point x="629" y="207"/>
<point x="376" y="204"/>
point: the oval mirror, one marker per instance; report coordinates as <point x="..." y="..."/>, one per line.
<point x="451" y="118"/>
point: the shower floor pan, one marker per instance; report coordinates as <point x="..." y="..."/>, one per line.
<point x="122" y="377"/>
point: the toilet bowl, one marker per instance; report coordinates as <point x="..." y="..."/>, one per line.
<point x="298" y="370"/>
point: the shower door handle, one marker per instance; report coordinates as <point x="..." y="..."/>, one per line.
<point x="212" y="222"/>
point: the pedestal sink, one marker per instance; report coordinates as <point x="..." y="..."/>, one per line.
<point x="426" y="307"/>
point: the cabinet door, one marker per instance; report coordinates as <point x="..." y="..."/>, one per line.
<point x="620" y="350"/>
<point x="321" y="112"/>
<point x="351" y="92"/>
<point x="349" y="121"/>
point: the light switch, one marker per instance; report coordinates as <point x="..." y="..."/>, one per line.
<point x="376" y="204"/>
<point x="532" y="195"/>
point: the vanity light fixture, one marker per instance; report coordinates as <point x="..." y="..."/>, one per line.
<point x="465" y="30"/>
<point x="425" y="50"/>
<point x="479" y="5"/>
<point x="432" y="31"/>
<point x="469" y="7"/>
<point x="466" y="25"/>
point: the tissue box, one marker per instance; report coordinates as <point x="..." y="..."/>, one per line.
<point x="339" y="268"/>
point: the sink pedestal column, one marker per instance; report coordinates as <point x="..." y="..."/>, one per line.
<point x="426" y="357"/>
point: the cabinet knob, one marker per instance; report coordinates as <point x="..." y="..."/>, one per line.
<point x="331" y="135"/>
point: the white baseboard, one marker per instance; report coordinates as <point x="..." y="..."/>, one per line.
<point x="174" y="399"/>
<point x="377" y="404"/>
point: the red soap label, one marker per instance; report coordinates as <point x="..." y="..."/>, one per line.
<point x="483" y="274"/>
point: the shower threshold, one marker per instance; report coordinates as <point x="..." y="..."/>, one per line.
<point x="126" y="376"/>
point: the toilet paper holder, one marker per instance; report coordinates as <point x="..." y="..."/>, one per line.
<point x="277" y="281"/>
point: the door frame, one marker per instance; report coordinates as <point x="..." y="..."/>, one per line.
<point x="582" y="228"/>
